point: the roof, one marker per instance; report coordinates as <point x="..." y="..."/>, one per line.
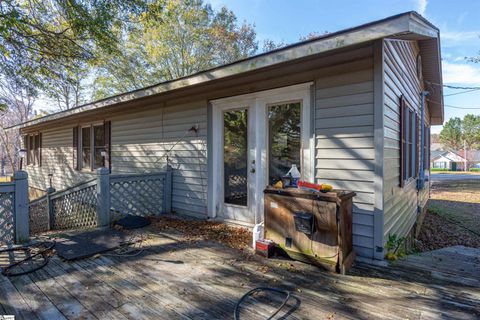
<point x="408" y="26"/>
<point x="453" y="156"/>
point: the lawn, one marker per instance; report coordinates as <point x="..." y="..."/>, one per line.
<point x="454" y="215"/>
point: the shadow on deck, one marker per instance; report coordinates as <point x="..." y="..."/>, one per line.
<point x="178" y="279"/>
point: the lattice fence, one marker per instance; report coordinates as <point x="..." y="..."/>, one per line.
<point x="38" y="215"/>
<point x="7" y="233"/>
<point x="137" y="194"/>
<point x="75" y="208"/>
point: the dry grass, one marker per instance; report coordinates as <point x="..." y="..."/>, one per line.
<point x="453" y="216"/>
<point x="458" y="201"/>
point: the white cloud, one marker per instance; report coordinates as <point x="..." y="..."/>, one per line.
<point x="422" y="6"/>
<point x="461" y="73"/>
<point x="459" y="36"/>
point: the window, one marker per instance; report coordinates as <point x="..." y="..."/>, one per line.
<point x="284" y="141"/>
<point x="99" y="146"/>
<point x="93" y="150"/>
<point x="86" y="148"/>
<point x="33" y="145"/>
<point x="426" y="148"/>
<point x="409" y="149"/>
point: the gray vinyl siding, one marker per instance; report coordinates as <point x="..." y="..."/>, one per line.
<point x="344" y="130"/>
<point x="57" y="159"/>
<point x="141" y="143"/>
<point x="400" y="204"/>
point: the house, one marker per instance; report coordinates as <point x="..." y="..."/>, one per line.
<point x="348" y="108"/>
<point x="447" y="160"/>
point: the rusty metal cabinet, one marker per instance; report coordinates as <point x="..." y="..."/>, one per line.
<point x="288" y="213"/>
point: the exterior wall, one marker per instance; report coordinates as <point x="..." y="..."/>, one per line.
<point x="400" y="78"/>
<point x="344" y="130"/>
<point x="141" y="142"/>
<point x="57" y="159"/>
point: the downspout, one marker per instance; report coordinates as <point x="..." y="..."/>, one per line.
<point x="421" y="178"/>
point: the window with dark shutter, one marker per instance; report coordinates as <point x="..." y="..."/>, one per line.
<point x="426" y="149"/>
<point x="409" y="142"/>
<point x="75" y="148"/>
<point x="403" y="140"/>
<point x="417" y="146"/>
<point x="33" y="146"/>
<point x="108" y="132"/>
<point x="93" y="146"/>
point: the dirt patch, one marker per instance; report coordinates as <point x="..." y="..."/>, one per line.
<point x="197" y="230"/>
<point x="438" y="232"/>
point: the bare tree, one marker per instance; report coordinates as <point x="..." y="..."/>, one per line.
<point x="17" y="107"/>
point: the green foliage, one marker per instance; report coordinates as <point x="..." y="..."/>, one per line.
<point x="393" y="246"/>
<point x="471" y="130"/>
<point x="451" y="134"/>
<point x="37" y="38"/>
<point x="172" y="39"/>
<point x="439" y="169"/>
<point x="475" y="169"/>
<point x="456" y="131"/>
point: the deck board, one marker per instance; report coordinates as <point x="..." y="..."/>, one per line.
<point x="177" y="279"/>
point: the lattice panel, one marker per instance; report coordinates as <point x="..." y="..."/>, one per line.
<point x="77" y="209"/>
<point x="140" y="197"/>
<point x="6" y="217"/>
<point x="38" y="211"/>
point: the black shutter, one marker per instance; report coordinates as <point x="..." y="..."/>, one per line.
<point x="40" y="147"/>
<point x="108" y="131"/>
<point x="75" y="148"/>
<point x="417" y="146"/>
<point x="402" y="140"/>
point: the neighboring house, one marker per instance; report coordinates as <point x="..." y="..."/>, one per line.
<point x="346" y="108"/>
<point x="447" y="160"/>
<point x="436" y="146"/>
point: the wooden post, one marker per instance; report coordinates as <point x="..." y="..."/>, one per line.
<point x="50" y="208"/>
<point x="21" y="217"/>
<point x="103" y="197"/>
<point x="167" y="191"/>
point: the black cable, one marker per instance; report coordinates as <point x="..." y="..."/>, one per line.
<point x="237" y="305"/>
<point x="27" y="249"/>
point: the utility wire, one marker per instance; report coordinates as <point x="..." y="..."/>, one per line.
<point x="455" y="107"/>
<point x="454" y="94"/>
<point x="452" y="87"/>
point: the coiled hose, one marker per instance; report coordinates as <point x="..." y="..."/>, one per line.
<point x="236" y="312"/>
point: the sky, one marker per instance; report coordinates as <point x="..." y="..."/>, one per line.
<point x="458" y="21"/>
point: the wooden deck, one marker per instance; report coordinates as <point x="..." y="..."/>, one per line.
<point x="175" y="279"/>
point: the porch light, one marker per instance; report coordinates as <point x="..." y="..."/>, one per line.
<point x="22" y="153"/>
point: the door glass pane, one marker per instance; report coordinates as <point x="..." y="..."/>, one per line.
<point x="235" y="157"/>
<point x="284" y="139"/>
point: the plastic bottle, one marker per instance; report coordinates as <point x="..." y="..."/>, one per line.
<point x="257" y="233"/>
<point x="295" y="174"/>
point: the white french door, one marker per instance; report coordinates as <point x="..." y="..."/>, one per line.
<point x="249" y="142"/>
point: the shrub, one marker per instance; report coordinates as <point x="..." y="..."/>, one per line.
<point x="474" y="169"/>
<point x="439" y="169"/>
